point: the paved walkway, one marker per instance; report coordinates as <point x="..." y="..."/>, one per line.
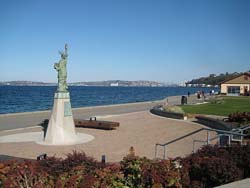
<point x="142" y="130"/>
<point x="22" y="120"/>
<point x="238" y="184"/>
<point x="138" y="128"/>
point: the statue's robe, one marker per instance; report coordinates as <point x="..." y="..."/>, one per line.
<point x="62" y="74"/>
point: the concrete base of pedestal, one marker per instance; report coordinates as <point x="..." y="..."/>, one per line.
<point x="38" y="137"/>
<point x="61" y="127"/>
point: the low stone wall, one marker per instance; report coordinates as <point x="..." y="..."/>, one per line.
<point x="162" y="113"/>
<point x="214" y="123"/>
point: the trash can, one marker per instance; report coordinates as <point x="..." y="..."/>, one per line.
<point x="183" y="100"/>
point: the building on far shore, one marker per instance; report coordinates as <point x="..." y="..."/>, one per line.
<point x="114" y="84"/>
<point x="238" y="85"/>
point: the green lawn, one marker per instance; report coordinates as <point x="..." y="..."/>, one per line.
<point x="226" y="107"/>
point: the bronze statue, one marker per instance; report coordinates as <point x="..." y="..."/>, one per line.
<point x="61" y="68"/>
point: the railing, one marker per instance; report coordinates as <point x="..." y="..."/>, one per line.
<point x="231" y="137"/>
<point x="219" y="132"/>
<point x="240" y="130"/>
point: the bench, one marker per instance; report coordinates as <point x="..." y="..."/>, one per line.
<point x="94" y="123"/>
<point x="91" y="123"/>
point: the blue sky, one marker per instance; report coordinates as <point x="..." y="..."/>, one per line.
<point x="161" y="40"/>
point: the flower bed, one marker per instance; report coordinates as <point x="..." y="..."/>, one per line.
<point x="167" y="114"/>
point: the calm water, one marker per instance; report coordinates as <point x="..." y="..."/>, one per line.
<point x="28" y="98"/>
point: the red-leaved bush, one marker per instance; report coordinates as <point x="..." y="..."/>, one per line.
<point x="25" y="174"/>
<point x="239" y="117"/>
<point x="208" y="167"/>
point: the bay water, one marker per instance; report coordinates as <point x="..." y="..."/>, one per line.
<point x="14" y="99"/>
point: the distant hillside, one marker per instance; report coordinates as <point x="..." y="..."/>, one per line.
<point x="119" y="83"/>
<point x="26" y="83"/>
<point x="140" y="83"/>
<point x="212" y="79"/>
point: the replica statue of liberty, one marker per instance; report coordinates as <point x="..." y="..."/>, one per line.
<point x="61" y="68"/>
<point x="61" y="127"/>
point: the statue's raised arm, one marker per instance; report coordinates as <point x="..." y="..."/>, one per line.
<point x="66" y="50"/>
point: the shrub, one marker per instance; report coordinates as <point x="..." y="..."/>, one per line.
<point x="210" y="151"/>
<point x="79" y="158"/>
<point x="208" y="167"/>
<point x="72" y="178"/>
<point x="239" y="117"/>
<point x="5" y="167"/>
<point x="163" y="173"/>
<point x="212" y="171"/>
<point x="211" y="166"/>
<point x="241" y="156"/>
<point x="26" y="174"/>
<point x="131" y="168"/>
<point x="55" y="166"/>
<point x="78" y="170"/>
<point x="145" y="173"/>
<point x="111" y="177"/>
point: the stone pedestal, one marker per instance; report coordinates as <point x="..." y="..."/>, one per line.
<point x="61" y="127"/>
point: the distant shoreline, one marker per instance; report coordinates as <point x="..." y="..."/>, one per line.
<point x="113" y="83"/>
<point x="166" y="86"/>
<point x="88" y="86"/>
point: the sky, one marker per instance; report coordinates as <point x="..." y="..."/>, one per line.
<point x="160" y="40"/>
